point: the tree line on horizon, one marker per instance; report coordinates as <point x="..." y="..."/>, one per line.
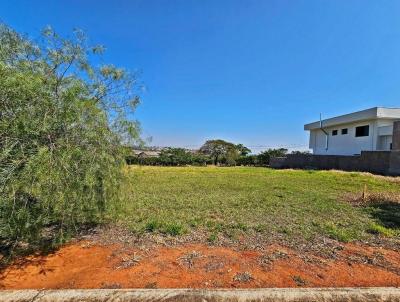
<point x="213" y="152"/>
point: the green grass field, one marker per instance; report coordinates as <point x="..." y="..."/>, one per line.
<point x="246" y="200"/>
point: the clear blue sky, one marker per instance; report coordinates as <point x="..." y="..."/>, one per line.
<point x="248" y="71"/>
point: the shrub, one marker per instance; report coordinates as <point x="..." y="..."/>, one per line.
<point x="265" y="156"/>
<point x="248" y="160"/>
<point x="62" y="125"/>
<point x="200" y="160"/>
<point x="174" y="157"/>
<point x="148" y="161"/>
<point x="170" y="157"/>
<point x="152" y="226"/>
<point x="173" y="229"/>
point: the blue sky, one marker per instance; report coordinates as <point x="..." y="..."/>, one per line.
<point x="247" y="71"/>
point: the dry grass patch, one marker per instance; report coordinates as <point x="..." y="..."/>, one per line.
<point x="383" y="207"/>
<point x="372" y="198"/>
<point x="243" y="277"/>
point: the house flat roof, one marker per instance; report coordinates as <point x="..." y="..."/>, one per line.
<point x="359" y="116"/>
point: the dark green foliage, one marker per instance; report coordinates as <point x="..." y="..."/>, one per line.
<point x="217" y="152"/>
<point x="265" y="156"/>
<point x="200" y="160"/>
<point x="300" y="152"/>
<point x="221" y="152"/>
<point x="249" y="160"/>
<point x="170" y="157"/>
<point x="243" y="150"/>
<point x="62" y="125"/>
<point x="224" y="153"/>
<point x="175" y="157"/>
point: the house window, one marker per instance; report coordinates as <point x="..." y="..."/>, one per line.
<point x="334" y="132"/>
<point x="345" y="131"/>
<point x="362" y="131"/>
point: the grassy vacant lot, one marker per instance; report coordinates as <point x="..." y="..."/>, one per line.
<point x="234" y="201"/>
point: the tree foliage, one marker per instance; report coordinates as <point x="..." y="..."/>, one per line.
<point x="63" y="121"/>
<point x="265" y="156"/>
<point x="242" y="150"/>
<point x="219" y="150"/>
<point x="175" y="157"/>
<point x="170" y="157"/>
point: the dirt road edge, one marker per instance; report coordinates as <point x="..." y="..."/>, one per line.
<point x="203" y="295"/>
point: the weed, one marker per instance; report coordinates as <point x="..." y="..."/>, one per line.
<point x="299" y="281"/>
<point x="189" y="259"/>
<point x="173" y="229"/>
<point x="260" y="228"/>
<point x="129" y="261"/>
<point x="243" y="277"/>
<point x="212" y="238"/>
<point x="266" y="260"/>
<point x="240" y="226"/>
<point x="152" y="226"/>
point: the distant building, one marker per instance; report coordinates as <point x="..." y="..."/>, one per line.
<point x="146" y="153"/>
<point x="350" y="134"/>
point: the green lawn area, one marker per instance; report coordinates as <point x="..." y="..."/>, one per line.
<point x="233" y="201"/>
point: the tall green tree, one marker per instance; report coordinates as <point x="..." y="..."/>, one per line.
<point x="218" y="149"/>
<point x="63" y="121"/>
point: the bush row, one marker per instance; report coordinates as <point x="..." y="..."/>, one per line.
<point x="182" y="157"/>
<point x="171" y="157"/>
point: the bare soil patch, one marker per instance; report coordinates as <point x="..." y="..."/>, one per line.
<point x="88" y="264"/>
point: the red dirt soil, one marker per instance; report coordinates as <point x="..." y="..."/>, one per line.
<point x="83" y="265"/>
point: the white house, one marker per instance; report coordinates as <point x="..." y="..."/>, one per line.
<point x="349" y="134"/>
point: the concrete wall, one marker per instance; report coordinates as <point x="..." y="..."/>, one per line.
<point x="394" y="168"/>
<point x="396" y="136"/>
<point x="380" y="162"/>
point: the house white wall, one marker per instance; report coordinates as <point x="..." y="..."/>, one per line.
<point x="380" y="121"/>
<point x="384" y="134"/>
<point x="379" y="138"/>
<point x="343" y="144"/>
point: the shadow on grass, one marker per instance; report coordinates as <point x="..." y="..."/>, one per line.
<point x="387" y="214"/>
<point x="383" y="207"/>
